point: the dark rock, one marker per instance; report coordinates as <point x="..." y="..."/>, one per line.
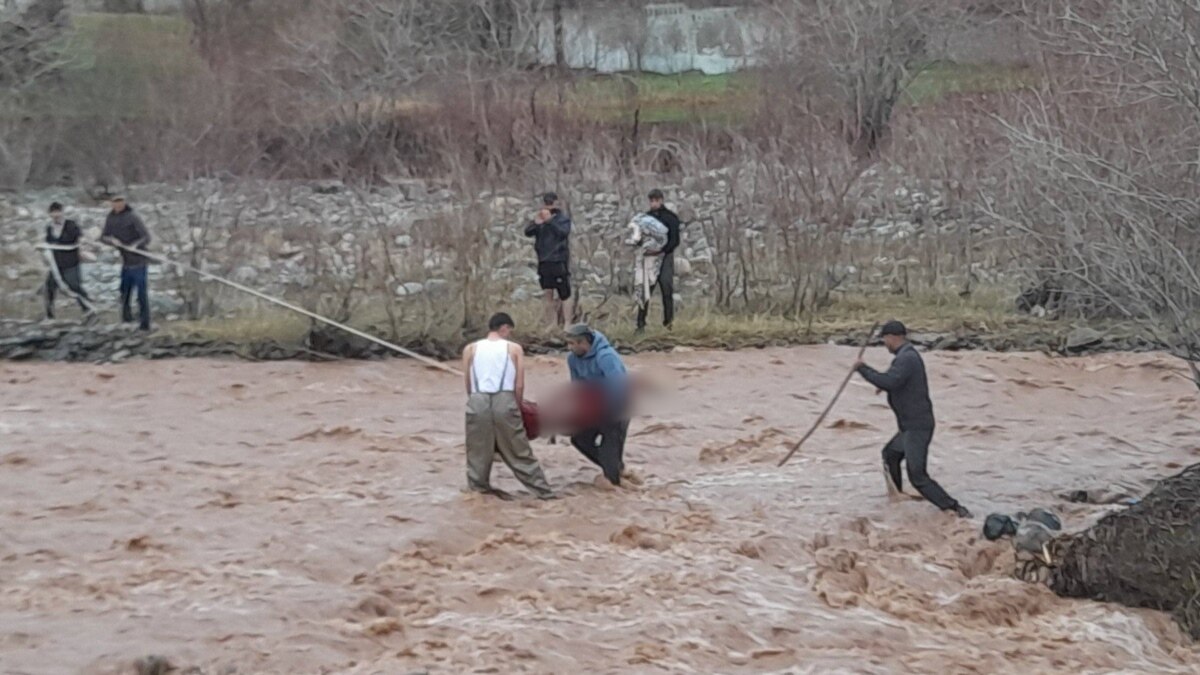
<point x="998" y="525"/>
<point x="328" y="187"/>
<point x="1046" y="518"/>
<point x="1077" y="497"/>
<point x="153" y="665"/>
<point x="337" y="342"/>
<point x="1082" y="338"/>
<point x="1047" y="295"/>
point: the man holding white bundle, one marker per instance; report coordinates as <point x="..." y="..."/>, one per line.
<point x="649" y="235"/>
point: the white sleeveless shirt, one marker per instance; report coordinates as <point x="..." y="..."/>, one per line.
<point x="492" y="368"/>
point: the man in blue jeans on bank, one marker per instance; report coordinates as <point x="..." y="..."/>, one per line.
<point x="124" y="227"/>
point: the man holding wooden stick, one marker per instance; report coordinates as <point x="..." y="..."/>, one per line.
<point x="907" y="390"/>
<point x="63" y="258"/>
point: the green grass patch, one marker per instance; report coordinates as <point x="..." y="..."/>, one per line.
<point x="686" y="97"/>
<point x="125" y="65"/>
<point x="728" y="99"/>
<point x="939" y="80"/>
<point x="133" y="43"/>
<point x="986" y="310"/>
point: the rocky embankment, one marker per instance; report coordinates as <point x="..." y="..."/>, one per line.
<point x="420" y="242"/>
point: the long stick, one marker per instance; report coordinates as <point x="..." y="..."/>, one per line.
<point x="312" y="315"/>
<point x="48" y="258"/>
<point x="862" y="350"/>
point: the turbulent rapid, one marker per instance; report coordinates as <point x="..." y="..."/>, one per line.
<point x="310" y="518"/>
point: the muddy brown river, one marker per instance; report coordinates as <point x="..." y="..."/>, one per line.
<point x="309" y="518"/>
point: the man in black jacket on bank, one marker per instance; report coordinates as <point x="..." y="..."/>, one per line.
<point x="551" y="233"/>
<point x="63" y="238"/>
<point x="666" y="274"/>
<point x="907" y="388"/>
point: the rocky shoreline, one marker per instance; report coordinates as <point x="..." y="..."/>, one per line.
<point x="306" y="239"/>
<point x="67" y="341"/>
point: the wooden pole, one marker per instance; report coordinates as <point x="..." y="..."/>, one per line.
<point x="838" y="393"/>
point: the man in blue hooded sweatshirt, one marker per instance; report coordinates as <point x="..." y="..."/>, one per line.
<point x="593" y="360"/>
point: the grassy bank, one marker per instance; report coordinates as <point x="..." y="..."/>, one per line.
<point x="986" y="312"/>
<point x="726" y="99"/>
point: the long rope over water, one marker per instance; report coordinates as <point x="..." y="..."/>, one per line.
<point x="295" y="308"/>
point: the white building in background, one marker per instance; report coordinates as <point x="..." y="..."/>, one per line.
<point x="663" y="38"/>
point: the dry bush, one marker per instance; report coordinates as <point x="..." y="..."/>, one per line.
<point x="859" y="52"/>
<point x="31" y="61"/>
<point x="1103" y="178"/>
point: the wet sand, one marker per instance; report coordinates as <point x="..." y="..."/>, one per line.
<point x="301" y="518"/>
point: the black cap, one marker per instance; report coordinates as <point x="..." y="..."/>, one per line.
<point x="893" y="327"/>
<point x="549" y="199"/>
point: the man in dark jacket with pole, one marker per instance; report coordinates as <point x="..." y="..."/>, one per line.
<point x="124" y="227"/>
<point x="62" y="239"/>
<point x="907" y="388"/>
<point x="551" y="233"/>
<point x="666" y="274"/>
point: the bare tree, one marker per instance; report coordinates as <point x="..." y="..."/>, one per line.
<point x="31" y="57"/>
<point x="1105" y="173"/>
<point x="865" y="51"/>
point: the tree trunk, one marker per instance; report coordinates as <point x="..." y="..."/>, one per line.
<point x="560" y="51"/>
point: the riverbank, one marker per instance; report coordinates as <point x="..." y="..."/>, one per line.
<point x="72" y="341"/>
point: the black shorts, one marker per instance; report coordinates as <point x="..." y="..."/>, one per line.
<point x="555" y="276"/>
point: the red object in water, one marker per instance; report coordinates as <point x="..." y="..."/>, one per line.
<point x="578" y="406"/>
<point x="588" y="407"/>
<point x="529" y="416"/>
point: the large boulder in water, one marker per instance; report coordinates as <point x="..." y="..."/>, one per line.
<point x="1145" y="556"/>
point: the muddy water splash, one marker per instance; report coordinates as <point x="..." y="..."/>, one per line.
<point x="300" y="518"/>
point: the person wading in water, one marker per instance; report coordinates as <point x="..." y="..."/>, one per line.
<point x="907" y="390"/>
<point x="592" y="361"/>
<point x="494" y="370"/>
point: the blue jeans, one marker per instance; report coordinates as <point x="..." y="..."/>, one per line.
<point x="134" y="278"/>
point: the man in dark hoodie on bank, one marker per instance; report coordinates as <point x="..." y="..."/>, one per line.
<point x="666" y="273"/>
<point x="62" y="241"/>
<point x="594" y="361"/>
<point x="907" y="388"/>
<point x="124" y="227"/>
<point x="551" y="233"/>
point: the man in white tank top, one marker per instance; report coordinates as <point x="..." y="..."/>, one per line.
<point x="495" y="379"/>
